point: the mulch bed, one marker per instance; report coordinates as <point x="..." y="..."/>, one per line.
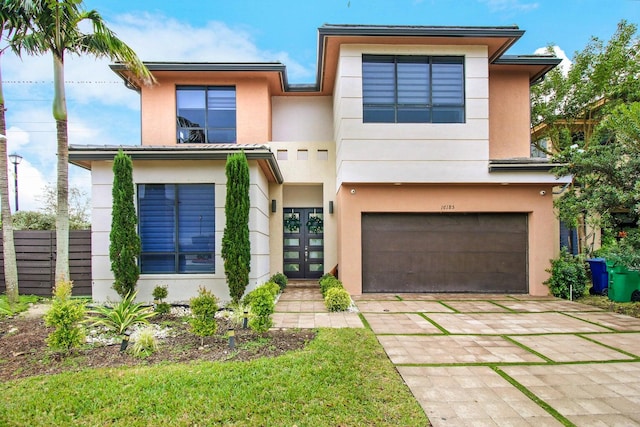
<point x="24" y="352"/>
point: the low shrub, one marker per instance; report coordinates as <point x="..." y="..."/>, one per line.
<point x="203" y="310"/>
<point x="337" y="299"/>
<point x="145" y="344"/>
<point x="273" y="287"/>
<point x="159" y="294"/>
<point x="262" y="307"/>
<point x="329" y="282"/>
<point x="280" y="279"/>
<point x="568" y="276"/>
<point x="66" y="316"/>
<point x="123" y="315"/>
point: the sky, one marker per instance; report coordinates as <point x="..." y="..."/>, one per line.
<point x="103" y="112"/>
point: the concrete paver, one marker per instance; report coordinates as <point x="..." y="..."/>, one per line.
<point x="409" y="349"/>
<point x="569" y="348"/>
<point x="629" y="343"/>
<point x="512" y="323"/>
<point x="402" y="307"/>
<point x="400" y="323"/>
<point x="497" y="360"/>
<point x="470" y="396"/>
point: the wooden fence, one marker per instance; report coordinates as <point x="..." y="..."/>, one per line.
<point x="36" y="256"/>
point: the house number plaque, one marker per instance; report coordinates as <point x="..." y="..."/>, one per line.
<point x="448" y="207"/>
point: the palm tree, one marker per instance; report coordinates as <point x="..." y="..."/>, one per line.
<point x="55" y="30"/>
<point x="13" y="20"/>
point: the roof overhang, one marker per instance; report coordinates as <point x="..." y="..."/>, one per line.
<point x="522" y="165"/>
<point x="331" y="37"/>
<point x="536" y="65"/>
<point x="274" y="72"/>
<point x="84" y="155"/>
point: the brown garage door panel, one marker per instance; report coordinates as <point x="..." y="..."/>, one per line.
<point x="444" y="253"/>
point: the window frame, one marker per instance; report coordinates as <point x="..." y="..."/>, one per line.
<point x="179" y="208"/>
<point x="393" y="110"/>
<point x="200" y="134"/>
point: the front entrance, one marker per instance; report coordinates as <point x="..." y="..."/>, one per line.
<point x="303" y="250"/>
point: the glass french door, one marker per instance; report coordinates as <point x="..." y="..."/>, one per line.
<point x="303" y="250"/>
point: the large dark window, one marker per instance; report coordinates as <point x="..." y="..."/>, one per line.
<point x="177" y="228"/>
<point x="206" y="114"/>
<point x="413" y="89"/>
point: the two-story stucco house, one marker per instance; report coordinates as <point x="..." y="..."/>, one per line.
<point x="405" y="166"/>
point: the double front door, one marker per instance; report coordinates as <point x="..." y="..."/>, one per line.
<point x="303" y="250"/>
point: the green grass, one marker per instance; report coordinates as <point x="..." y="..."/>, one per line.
<point x="22" y="305"/>
<point x="343" y="377"/>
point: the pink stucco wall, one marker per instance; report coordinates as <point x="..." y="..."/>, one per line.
<point x="253" y="106"/>
<point x="509" y="114"/>
<point x="426" y="198"/>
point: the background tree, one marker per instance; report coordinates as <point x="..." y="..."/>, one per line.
<point x="124" y="248"/>
<point x="79" y="204"/>
<point x="13" y="20"/>
<point x="236" y="247"/>
<point x="55" y="29"/>
<point x="590" y="116"/>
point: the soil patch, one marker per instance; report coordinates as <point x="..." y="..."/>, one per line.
<point x="24" y="352"/>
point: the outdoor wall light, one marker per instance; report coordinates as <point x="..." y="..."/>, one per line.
<point x="542" y="192"/>
<point x="353" y="191"/>
<point x="274" y="206"/>
<point x="330" y="206"/>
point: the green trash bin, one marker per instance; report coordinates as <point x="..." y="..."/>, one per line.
<point x="623" y="283"/>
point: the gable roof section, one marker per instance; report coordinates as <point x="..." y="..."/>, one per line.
<point x="83" y="155"/>
<point x="330" y="37"/>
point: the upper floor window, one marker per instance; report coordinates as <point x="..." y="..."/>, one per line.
<point x="206" y="114"/>
<point x="413" y="89"/>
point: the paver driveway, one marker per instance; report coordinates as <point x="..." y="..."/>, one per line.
<point x="496" y="360"/>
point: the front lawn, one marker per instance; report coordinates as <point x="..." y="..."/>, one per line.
<point x="341" y="378"/>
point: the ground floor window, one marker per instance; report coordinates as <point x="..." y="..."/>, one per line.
<point x="177" y="228"/>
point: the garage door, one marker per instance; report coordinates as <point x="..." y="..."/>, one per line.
<point x="444" y="252"/>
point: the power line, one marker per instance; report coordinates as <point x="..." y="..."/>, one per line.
<point x="32" y="82"/>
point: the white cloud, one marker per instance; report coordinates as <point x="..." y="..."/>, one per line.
<point x="566" y="63"/>
<point x="101" y="110"/>
<point x="510" y="5"/>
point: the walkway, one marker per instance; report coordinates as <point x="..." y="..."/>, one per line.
<point x="497" y="360"/>
<point x="301" y="306"/>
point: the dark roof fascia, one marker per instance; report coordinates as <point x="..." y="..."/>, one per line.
<point x="547" y="62"/>
<point x="522" y="165"/>
<point x="80" y="153"/>
<point x="419" y="31"/>
<point x="277" y="67"/>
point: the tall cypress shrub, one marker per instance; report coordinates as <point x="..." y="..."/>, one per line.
<point x="124" y="248"/>
<point x="236" y="247"/>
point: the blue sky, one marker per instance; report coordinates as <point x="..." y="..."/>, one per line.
<point x="103" y="111"/>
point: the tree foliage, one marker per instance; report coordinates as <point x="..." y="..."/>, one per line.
<point x="236" y="247"/>
<point x="124" y="248"/>
<point x="591" y="115"/>
<point x="56" y="27"/>
<point x="79" y="205"/>
<point x="13" y="21"/>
